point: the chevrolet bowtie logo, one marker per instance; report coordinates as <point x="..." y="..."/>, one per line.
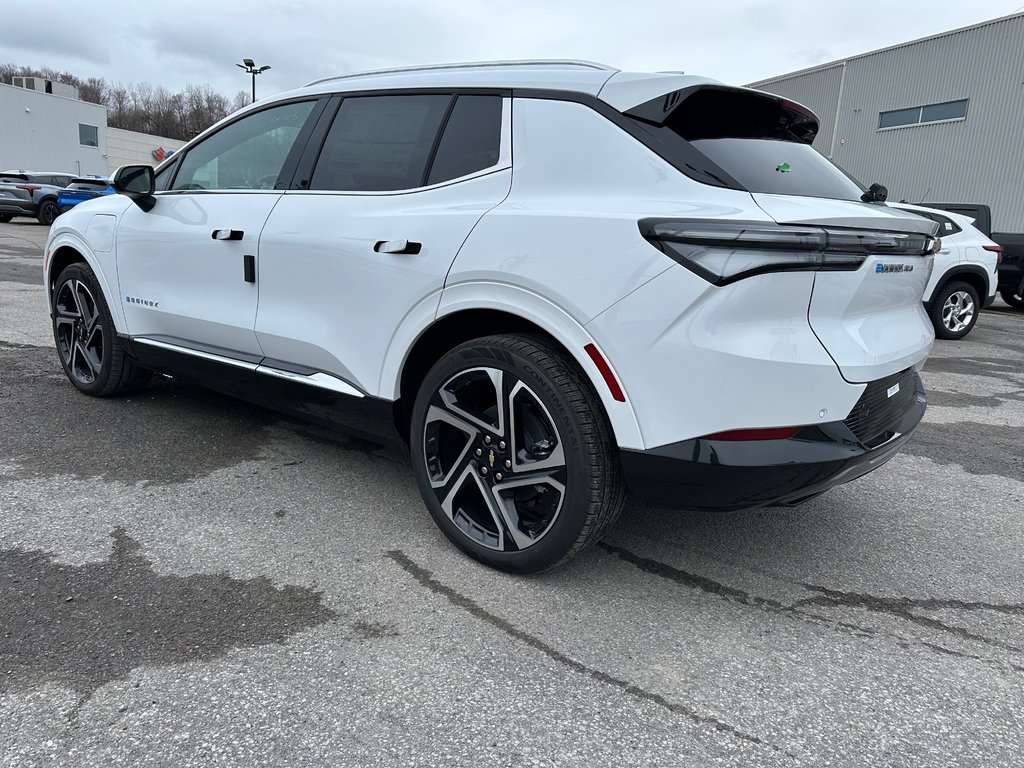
<point x="490" y="457"/>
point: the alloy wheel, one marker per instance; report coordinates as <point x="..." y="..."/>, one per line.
<point x="79" y="331"/>
<point x="494" y="459"/>
<point x="958" y="311"/>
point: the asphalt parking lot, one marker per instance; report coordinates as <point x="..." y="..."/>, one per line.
<point x="188" y="580"/>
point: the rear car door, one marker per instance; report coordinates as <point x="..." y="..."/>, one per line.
<point x="378" y="217"/>
<point x="186" y="267"/>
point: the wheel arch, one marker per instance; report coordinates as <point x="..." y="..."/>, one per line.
<point x="973" y="275"/>
<point x="463" y="317"/>
<point x="67" y="249"/>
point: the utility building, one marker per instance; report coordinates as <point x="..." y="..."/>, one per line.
<point x="937" y="119"/>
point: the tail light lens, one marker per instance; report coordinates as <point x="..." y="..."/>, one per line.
<point x="997" y="250"/>
<point x="30" y="188"/>
<point x="725" y="251"/>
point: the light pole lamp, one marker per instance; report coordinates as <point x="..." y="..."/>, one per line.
<point x="250" y="66"/>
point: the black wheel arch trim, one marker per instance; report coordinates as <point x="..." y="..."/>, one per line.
<point x="964" y="269"/>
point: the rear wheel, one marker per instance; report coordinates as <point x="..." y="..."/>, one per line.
<point x="954" y="310"/>
<point x="6" y="217"/>
<point x="513" y="453"/>
<point x="47" y="212"/>
<point x="1015" y="300"/>
<point x="92" y="355"/>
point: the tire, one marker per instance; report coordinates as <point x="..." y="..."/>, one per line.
<point x="1014" y="300"/>
<point x="92" y="355"/>
<point x="6" y="217"/>
<point x="954" y="310"/>
<point x="48" y="212"/>
<point x="551" y="429"/>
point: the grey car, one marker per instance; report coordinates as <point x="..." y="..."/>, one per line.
<point x="32" y="194"/>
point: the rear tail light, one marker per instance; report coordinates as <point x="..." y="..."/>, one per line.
<point x="997" y="250"/>
<point x="771" y="433"/>
<point x="725" y="251"/>
<point x="30" y="188"/>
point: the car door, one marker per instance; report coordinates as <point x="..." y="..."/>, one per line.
<point x="186" y="267"/>
<point x="370" y="235"/>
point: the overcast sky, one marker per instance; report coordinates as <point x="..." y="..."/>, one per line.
<point x="737" y="41"/>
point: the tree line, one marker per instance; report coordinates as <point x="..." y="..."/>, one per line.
<point x="141" y="107"/>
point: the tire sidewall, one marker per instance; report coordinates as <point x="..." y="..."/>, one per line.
<point x="573" y="514"/>
<point x="941" y="331"/>
<point x="84" y="274"/>
<point x="45" y="207"/>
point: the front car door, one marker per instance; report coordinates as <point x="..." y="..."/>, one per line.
<point x="370" y="235"/>
<point x="182" y="266"/>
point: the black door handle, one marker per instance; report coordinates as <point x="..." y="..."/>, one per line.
<point x="227" y="234"/>
<point x="397" y="246"/>
<point x="249" y="268"/>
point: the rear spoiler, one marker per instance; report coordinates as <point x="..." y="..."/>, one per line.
<point x="13" y="177"/>
<point x="93" y="182"/>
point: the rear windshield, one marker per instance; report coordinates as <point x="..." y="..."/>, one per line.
<point x="762" y="141"/>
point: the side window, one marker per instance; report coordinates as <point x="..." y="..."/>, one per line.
<point x="946" y="225"/>
<point x="248" y="154"/>
<point x="163" y="177"/>
<point x="380" y="143"/>
<point x="471" y="140"/>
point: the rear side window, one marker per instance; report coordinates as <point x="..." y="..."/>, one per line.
<point x="471" y="141"/>
<point x="380" y="143"/>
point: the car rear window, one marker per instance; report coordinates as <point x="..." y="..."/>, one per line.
<point x="761" y="141"/>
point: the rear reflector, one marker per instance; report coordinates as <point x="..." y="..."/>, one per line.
<point x="997" y="250"/>
<point x="771" y="433"/>
<point x="606" y="373"/>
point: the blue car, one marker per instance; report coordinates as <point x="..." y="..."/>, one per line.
<point x="82" y="189"/>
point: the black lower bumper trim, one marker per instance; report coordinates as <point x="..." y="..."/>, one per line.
<point x="726" y="475"/>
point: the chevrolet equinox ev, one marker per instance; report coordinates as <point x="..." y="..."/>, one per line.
<point x="550" y="282"/>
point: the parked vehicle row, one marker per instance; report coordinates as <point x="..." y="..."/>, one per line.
<point x="32" y="194"/>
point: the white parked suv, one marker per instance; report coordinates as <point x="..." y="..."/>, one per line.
<point x="964" y="277"/>
<point x="550" y="281"/>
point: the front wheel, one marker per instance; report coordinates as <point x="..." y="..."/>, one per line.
<point x="954" y="311"/>
<point x="513" y="453"/>
<point x="1015" y="300"/>
<point x="92" y="355"/>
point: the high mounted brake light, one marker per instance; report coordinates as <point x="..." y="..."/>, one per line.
<point x="725" y="251"/>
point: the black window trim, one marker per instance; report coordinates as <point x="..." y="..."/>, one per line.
<point x="920" y="114"/>
<point x="287" y="170"/>
<point x="307" y="164"/>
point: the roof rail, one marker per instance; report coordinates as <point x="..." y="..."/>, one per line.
<point x="472" y="65"/>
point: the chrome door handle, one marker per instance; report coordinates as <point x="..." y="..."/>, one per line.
<point x="227" y="234"/>
<point x="397" y="246"/>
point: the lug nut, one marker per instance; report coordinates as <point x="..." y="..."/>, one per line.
<point x="483" y="470"/>
<point x="487" y="439"/>
<point x="497" y="476"/>
<point x="479" y="452"/>
<point x="501" y="445"/>
<point x="508" y="464"/>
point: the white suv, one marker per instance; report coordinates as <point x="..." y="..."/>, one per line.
<point x="965" y="274"/>
<point x="550" y="281"/>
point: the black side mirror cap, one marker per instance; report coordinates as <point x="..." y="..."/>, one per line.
<point x="137" y="182"/>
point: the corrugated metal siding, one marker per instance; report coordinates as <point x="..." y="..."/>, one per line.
<point x="980" y="159"/>
<point x="39" y="131"/>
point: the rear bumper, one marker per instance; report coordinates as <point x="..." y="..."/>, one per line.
<point x="18" y="207"/>
<point x="725" y="475"/>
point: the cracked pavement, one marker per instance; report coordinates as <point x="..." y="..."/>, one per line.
<point x="190" y="580"/>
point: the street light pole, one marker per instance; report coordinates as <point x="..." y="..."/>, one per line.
<point x="249" y="66"/>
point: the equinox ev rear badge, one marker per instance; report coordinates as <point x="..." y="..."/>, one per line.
<point x="894" y="267"/>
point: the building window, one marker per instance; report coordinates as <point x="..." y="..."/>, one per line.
<point x="929" y="113"/>
<point x="88" y="135"/>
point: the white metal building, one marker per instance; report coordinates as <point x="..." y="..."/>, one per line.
<point x="937" y="119"/>
<point x="42" y="131"/>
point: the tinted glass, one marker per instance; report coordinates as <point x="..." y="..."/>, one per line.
<point x="471" y="139"/>
<point x="950" y="110"/>
<point x="380" y="143"/>
<point x="899" y="117"/>
<point x="248" y="154"/>
<point x="779" y="167"/>
<point x="163" y="177"/>
<point x="88" y="135"/>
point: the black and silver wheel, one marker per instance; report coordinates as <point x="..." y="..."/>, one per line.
<point x="954" y="310"/>
<point x="513" y="453"/>
<point x="89" y="350"/>
<point x="1015" y="300"/>
<point x="48" y="212"/>
<point x="6" y="217"/>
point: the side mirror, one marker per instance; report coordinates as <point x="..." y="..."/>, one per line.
<point x="137" y="182"/>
